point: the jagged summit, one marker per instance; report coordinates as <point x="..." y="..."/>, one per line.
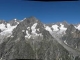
<point x="31" y="26"/>
<point x="70" y="29"/>
<point x="2" y="21"/>
<point x="31" y="19"/>
<point x="14" y="22"/>
<point x="32" y="39"/>
<point x="15" y="19"/>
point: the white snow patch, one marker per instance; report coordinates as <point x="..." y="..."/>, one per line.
<point x="12" y="36"/>
<point x="65" y="42"/>
<point x="24" y="18"/>
<point x="8" y="25"/>
<point x="8" y="35"/>
<point x="23" y="30"/>
<point x="28" y="28"/>
<point x="38" y="29"/>
<point x="21" y="21"/>
<point x="17" y="22"/>
<point x="33" y="33"/>
<point x="34" y="29"/>
<point x="8" y="30"/>
<point x="40" y="34"/>
<point x="44" y="25"/>
<point x="34" y="36"/>
<point x="1" y="59"/>
<point x="48" y="28"/>
<point x="27" y="35"/>
<point x="2" y="26"/>
<point x="62" y="27"/>
<point x="15" y="19"/>
<point x="55" y="27"/>
<point x="77" y="27"/>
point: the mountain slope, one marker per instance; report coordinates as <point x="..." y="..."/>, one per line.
<point x="31" y="39"/>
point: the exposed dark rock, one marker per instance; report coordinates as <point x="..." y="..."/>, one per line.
<point x="14" y="22"/>
<point x="45" y="48"/>
<point x="72" y="37"/>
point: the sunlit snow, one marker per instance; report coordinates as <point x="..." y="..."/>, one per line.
<point x="48" y="29"/>
<point x="34" y="28"/>
<point x="62" y="27"/>
<point x="23" y="30"/>
<point x="24" y="18"/>
<point x="65" y="42"/>
<point x="27" y="34"/>
<point x="12" y="36"/>
<point x="38" y="29"/>
<point x="28" y="28"/>
<point x="8" y="30"/>
<point x="15" y="19"/>
<point x="2" y="27"/>
<point x="77" y="27"/>
<point x="55" y="27"/>
<point x="33" y="33"/>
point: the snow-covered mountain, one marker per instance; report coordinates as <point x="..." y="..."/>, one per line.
<point x="31" y="39"/>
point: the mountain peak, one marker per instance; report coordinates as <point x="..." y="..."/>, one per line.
<point x="32" y="18"/>
<point x="65" y="22"/>
<point x="2" y="21"/>
<point x="14" y="22"/>
<point x="15" y="19"/>
<point x="33" y="39"/>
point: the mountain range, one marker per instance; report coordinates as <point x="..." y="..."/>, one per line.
<point x="31" y="39"/>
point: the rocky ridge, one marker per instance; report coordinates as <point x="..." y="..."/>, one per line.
<point x="31" y="39"/>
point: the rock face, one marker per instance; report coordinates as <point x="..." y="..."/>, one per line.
<point x="30" y="39"/>
<point x="72" y="37"/>
<point x="14" y="22"/>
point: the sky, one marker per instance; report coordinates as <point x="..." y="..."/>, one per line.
<point x="46" y="12"/>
